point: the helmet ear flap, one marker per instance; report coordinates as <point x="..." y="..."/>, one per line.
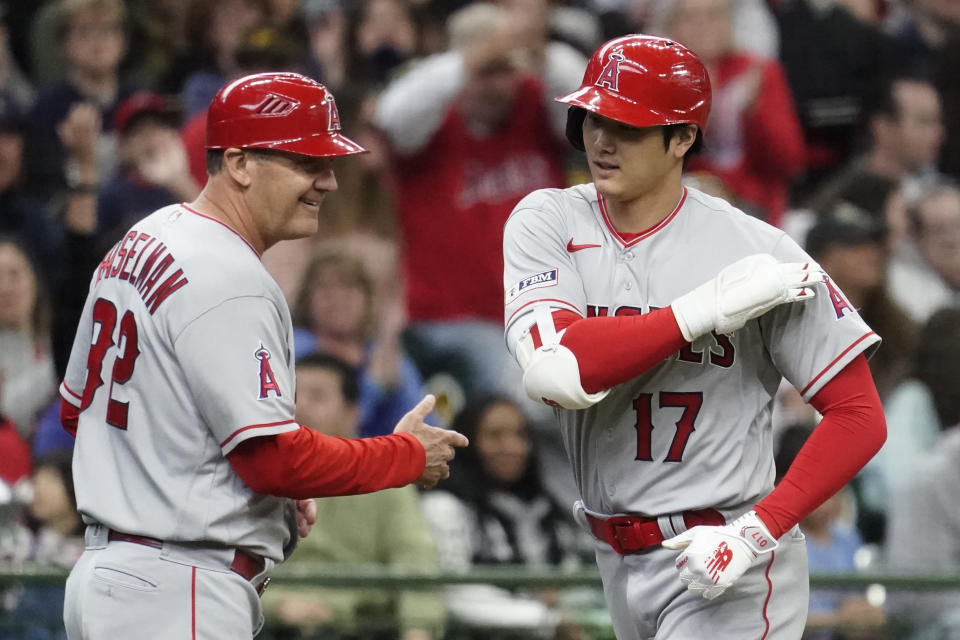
<point x="575" y="117"/>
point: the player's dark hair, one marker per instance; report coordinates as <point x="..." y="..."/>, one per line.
<point x="349" y="377"/>
<point x="214" y="161"/>
<point x="574" y="132"/>
<point x="937" y="363"/>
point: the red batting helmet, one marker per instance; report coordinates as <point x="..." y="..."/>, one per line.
<point x="284" y="111"/>
<point x="642" y="81"/>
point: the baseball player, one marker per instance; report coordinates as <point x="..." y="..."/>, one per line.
<point x="658" y="321"/>
<point x="191" y="472"/>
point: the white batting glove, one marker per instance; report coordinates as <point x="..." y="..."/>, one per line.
<point x="742" y="291"/>
<point x="714" y="558"/>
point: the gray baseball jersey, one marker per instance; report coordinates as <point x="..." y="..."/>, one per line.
<point x="694" y="431"/>
<point x="184" y="350"/>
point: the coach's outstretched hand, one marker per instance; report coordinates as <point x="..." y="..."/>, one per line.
<point x="437" y="443"/>
<point x="714" y="558"/>
<point x="742" y="291"/>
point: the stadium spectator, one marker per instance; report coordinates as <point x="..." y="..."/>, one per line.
<point x="834" y="53"/>
<point x="27" y="376"/>
<point x="21" y="215"/>
<point x="217" y="28"/>
<point x="339" y="310"/>
<point x="93" y="36"/>
<point x="54" y="532"/>
<point x="153" y="165"/>
<point x="904" y="134"/>
<point x="471" y="133"/>
<point x="14" y="84"/>
<point x="923" y="535"/>
<point x="753" y="142"/>
<point x="925" y="273"/>
<point x="383" y="528"/>
<point x="494" y="510"/>
<point x="918" y="410"/>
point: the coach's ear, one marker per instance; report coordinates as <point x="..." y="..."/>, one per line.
<point x="237" y="164"/>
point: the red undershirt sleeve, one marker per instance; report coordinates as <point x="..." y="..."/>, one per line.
<point x="69" y="417"/>
<point x="307" y="464"/>
<point x="611" y="350"/>
<point x="852" y="431"/>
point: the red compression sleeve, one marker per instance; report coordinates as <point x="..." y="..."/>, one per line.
<point x="307" y="464"/>
<point x="614" y="349"/>
<point x="852" y="431"/>
<point x="69" y="417"/>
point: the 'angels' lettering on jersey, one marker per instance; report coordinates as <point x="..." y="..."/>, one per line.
<point x="150" y="261"/>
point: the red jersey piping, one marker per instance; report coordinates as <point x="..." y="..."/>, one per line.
<point x="835" y="360"/>
<point x="646" y="233"/>
<point x="766" y="574"/>
<point x="220" y="222"/>
<point x="256" y="426"/>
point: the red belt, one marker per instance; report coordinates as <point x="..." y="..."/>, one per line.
<point x="632" y="534"/>
<point x="246" y="565"/>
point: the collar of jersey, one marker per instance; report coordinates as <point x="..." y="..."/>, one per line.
<point x="630" y="239"/>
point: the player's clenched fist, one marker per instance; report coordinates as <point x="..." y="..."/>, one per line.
<point x="437" y="443"/>
<point x="714" y="558"/>
<point x="742" y="291"/>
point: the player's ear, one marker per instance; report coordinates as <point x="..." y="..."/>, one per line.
<point x="683" y="139"/>
<point x="237" y="163"/>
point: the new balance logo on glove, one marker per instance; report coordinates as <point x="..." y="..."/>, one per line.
<point x="713" y="558"/>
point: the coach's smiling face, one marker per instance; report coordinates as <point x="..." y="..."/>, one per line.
<point x="629" y="162"/>
<point x="286" y="192"/>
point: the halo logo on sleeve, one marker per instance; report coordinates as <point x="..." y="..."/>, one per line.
<point x="536" y="281"/>
<point x="268" y="381"/>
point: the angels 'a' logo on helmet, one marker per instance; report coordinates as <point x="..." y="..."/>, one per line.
<point x="334" y="121"/>
<point x="610" y="76"/>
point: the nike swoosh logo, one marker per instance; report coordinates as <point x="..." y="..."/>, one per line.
<point x="577" y="247"/>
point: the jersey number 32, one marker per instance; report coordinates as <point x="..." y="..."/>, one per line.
<point x="105" y="316"/>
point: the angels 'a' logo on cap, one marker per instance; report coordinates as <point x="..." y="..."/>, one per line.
<point x="272" y="105"/>
<point x="610" y="76"/>
<point x="334" y="121"/>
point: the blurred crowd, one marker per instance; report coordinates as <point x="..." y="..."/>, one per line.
<point x="836" y="120"/>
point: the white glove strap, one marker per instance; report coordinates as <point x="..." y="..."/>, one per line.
<point x="750" y="527"/>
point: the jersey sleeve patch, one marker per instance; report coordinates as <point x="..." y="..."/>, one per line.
<point x="548" y="278"/>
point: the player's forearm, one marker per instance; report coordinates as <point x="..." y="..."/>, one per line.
<point x="612" y="350"/>
<point x="308" y="464"/>
<point x="852" y="431"/>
